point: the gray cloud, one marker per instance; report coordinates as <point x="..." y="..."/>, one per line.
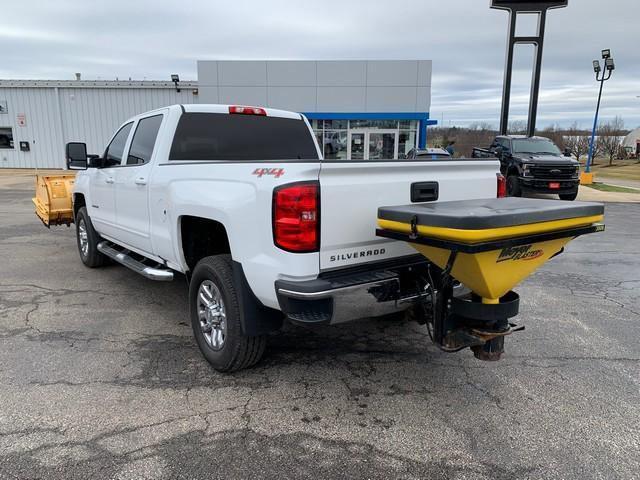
<point x="465" y="39"/>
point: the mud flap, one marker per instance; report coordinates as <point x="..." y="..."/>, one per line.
<point x="255" y="318"/>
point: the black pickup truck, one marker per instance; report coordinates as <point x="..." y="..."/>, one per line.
<point x="533" y="164"/>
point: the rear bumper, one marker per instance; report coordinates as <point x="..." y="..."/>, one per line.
<point x="350" y="294"/>
<point x="542" y="186"/>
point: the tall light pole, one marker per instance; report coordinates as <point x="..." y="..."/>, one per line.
<point x="601" y="76"/>
<point x="515" y="9"/>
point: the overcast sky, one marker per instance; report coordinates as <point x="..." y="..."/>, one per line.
<point x="52" y="39"/>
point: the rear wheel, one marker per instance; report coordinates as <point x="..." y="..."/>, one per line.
<point x="568" y="196"/>
<point x="215" y="317"/>
<point x="513" y="186"/>
<point x="88" y="239"/>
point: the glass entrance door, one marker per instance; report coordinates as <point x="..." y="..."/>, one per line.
<point x="373" y="144"/>
<point x="382" y="145"/>
<point x="356" y="146"/>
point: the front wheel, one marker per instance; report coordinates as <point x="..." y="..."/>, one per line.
<point x="568" y="196"/>
<point x="215" y="317"/>
<point x="513" y="186"/>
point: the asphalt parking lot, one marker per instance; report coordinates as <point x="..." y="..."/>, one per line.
<point x="100" y="378"/>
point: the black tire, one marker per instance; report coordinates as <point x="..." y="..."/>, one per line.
<point x="237" y="351"/>
<point x="90" y="256"/>
<point x="570" y="197"/>
<point x="513" y="186"/>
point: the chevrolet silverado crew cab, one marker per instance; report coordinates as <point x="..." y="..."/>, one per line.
<point x="534" y="164"/>
<point x="240" y="201"/>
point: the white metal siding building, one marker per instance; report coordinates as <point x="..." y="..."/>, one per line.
<point x="48" y="114"/>
<point x="363" y="109"/>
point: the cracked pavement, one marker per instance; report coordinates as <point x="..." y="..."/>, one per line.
<point x="100" y="378"/>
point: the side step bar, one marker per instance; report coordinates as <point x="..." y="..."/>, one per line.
<point x="159" y="274"/>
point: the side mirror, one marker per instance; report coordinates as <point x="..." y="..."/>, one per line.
<point x="567" y="152"/>
<point x="76" y="153"/>
<point x="498" y="150"/>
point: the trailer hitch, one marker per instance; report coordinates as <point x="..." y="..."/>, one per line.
<point x="486" y="344"/>
<point x="458" y="322"/>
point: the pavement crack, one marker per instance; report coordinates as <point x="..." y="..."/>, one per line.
<point x="469" y="381"/>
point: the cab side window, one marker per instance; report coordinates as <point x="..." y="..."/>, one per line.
<point x="115" y="150"/>
<point x="506" y="145"/>
<point x="144" y="139"/>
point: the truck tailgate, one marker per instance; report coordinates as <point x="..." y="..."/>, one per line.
<point x="351" y="193"/>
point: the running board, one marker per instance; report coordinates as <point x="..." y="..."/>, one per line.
<point x="159" y="274"/>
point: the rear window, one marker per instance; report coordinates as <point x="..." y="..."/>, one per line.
<point x="218" y="136"/>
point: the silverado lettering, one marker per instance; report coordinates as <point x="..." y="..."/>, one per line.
<point x="353" y="255"/>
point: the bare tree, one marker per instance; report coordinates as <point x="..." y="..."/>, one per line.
<point x="555" y="134"/>
<point x="476" y="135"/>
<point x="610" y="136"/>
<point x="518" y="127"/>
<point x="482" y="126"/>
<point x="576" y="141"/>
<point x="480" y="134"/>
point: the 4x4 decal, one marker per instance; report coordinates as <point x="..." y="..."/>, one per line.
<point x="276" y="172"/>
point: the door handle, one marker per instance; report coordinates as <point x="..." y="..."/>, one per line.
<point x="140" y="181"/>
<point x="109" y="180"/>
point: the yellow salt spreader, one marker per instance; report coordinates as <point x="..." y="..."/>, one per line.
<point x="53" y="200"/>
<point x="488" y="246"/>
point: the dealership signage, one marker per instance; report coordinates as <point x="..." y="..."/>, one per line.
<point x="22" y="119"/>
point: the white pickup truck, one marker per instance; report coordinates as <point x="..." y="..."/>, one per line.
<point x="240" y="201"/>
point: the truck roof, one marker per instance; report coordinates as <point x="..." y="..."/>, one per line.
<point x="216" y="108"/>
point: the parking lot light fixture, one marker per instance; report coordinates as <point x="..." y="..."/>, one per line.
<point x="596" y="66"/>
<point x="609" y="64"/>
<point x="175" y="79"/>
<point x="601" y="77"/>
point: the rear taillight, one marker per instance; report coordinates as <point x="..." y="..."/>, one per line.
<point x="296" y="217"/>
<point x="502" y="186"/>
<point x="242" y="110"/>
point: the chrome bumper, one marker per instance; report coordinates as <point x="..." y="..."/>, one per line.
<point x="344" y="298"/>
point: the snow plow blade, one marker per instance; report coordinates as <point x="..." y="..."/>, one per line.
<point x="53" y="200"/>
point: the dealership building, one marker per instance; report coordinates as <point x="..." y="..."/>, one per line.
<point x="359" y="110"/>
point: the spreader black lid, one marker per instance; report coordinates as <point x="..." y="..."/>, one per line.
<point x="489" y="213"/>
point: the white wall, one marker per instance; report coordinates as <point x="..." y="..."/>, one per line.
<point x="85" y="114"/>
<point x="319" y="86"/>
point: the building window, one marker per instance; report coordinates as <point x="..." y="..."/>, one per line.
<point x="332" y="136"/>
<point x="335" y="144"/>
<point x="6" y="137"/>
<point x="406" y="142"/>
<point x="347" y="139"/>
<point x="408" y="124"/>
<point x="336" y="124"/>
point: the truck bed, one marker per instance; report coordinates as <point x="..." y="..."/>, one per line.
<point x="351" y="193"/>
